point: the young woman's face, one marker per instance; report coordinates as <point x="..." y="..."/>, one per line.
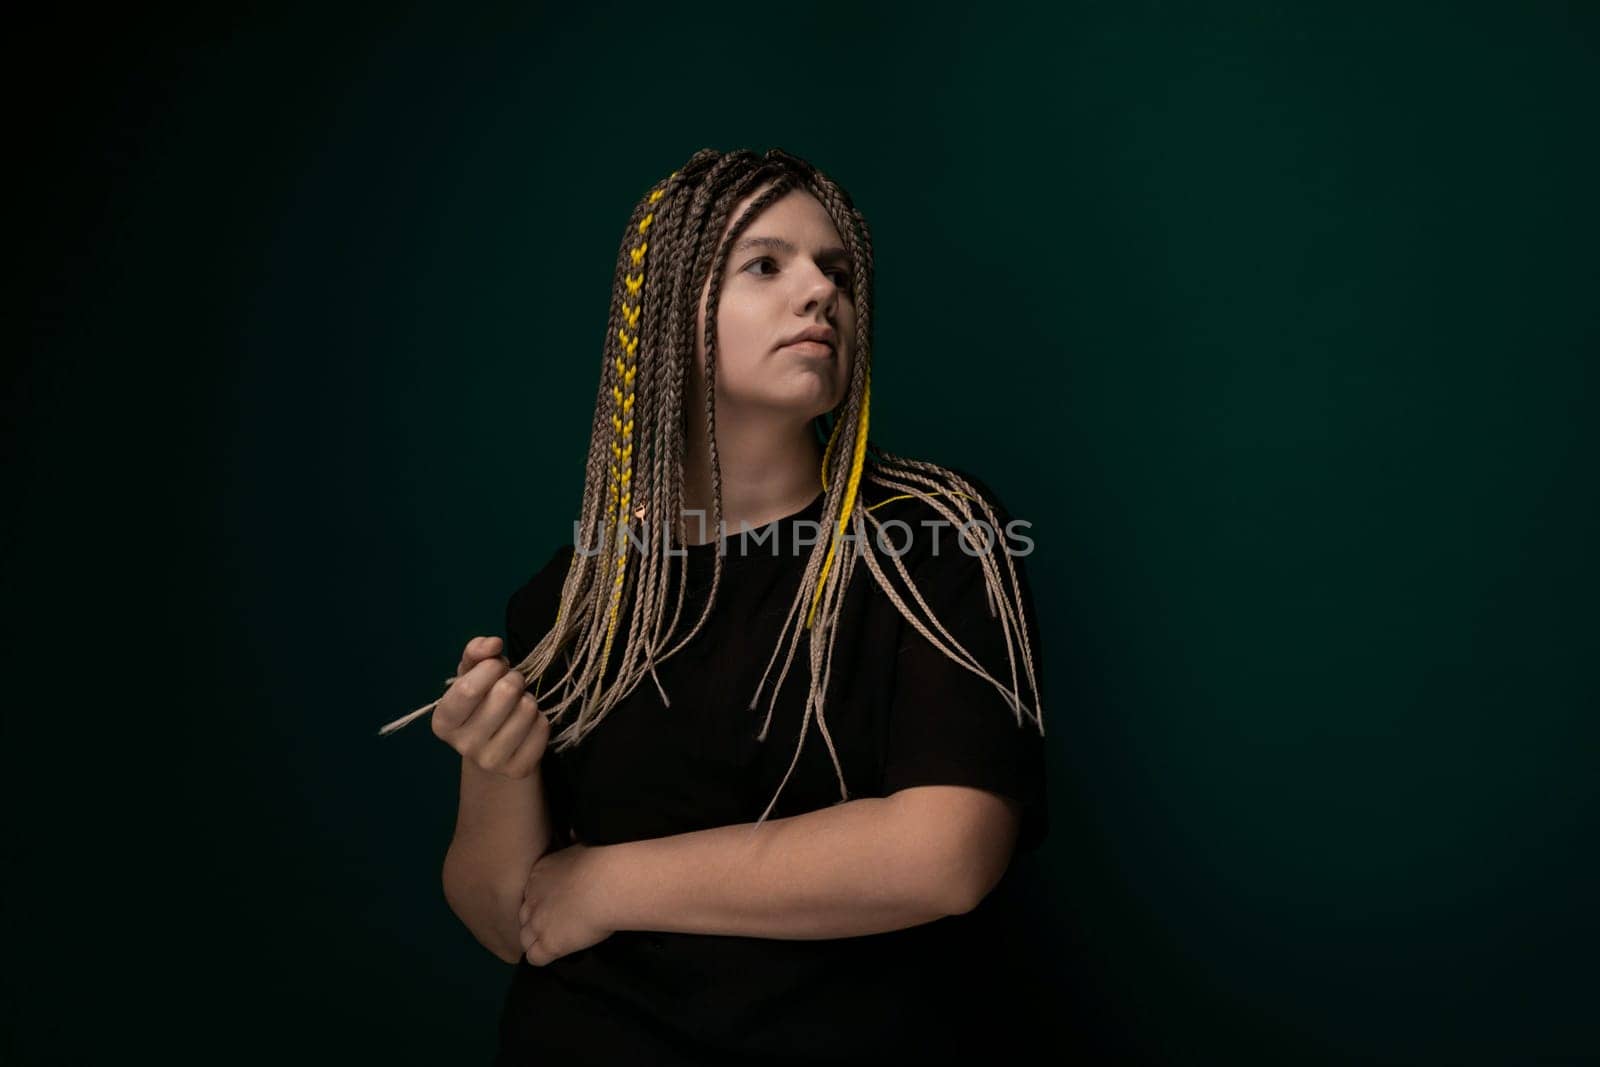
<point x="788" y="272"/>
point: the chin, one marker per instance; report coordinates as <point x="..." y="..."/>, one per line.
<point x="812" y="404"/>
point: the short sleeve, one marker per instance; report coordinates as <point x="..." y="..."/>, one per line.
<point x="948" y="726"/>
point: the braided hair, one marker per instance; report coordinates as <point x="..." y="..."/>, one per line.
<point x="672" y="243"/>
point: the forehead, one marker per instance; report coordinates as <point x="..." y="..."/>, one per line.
<point x="796" y="215"/>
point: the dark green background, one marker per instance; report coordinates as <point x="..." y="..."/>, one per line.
<point x="1278" y="323"/>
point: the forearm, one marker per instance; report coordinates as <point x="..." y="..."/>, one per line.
<point x="502" y="828"/>
<point x="842" y="871"/>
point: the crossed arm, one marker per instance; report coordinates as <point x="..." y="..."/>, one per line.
<point x="859" y="867"/>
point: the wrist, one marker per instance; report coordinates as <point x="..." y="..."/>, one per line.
<point x="606" y="886"/>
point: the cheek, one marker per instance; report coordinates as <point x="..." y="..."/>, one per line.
<point x="741" y="332"/>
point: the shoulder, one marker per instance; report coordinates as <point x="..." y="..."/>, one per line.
<point x="931" y="527"/>
<point x="531" y="607"/>
<point x="551" y="574"/>
<point x="902" y="499"/>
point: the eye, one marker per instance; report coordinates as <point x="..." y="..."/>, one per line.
<point x="840" y="275"/>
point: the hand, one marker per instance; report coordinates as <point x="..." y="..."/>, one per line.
<point x="562" y="905"/>
<point x="488" y="715"/>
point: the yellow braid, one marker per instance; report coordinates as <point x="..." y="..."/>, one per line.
<point x="910" y="496"/>
<point x="850" y="490"/>
<point x="856" y="463"/>
<point x="619" y="490"/>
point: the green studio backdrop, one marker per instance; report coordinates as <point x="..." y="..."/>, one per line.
<point x="1277" y="323"/>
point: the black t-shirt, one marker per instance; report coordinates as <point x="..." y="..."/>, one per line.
<point x="900" y="713"/>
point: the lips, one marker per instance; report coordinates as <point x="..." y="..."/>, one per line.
<point x="811" y="348"/>
<point x="814" y="339"/>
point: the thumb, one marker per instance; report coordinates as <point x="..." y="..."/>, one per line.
<point x="478" y="650"/>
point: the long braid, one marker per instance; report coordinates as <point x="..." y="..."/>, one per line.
<point x="669" y="296"/>
<point x="840" y="493"/>
<point x="649" y="441"/>
<point x="930" y="475"/>
<point x="622" y="348"/>
<point x="620" y="492"/>
<point x="672" y="247"/>
<point x="714" y="202"/>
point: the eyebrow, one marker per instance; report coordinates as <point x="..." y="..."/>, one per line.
<point x="827" y="254"/>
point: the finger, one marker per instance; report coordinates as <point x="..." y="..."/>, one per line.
<point x="523" y="738"/>
<point x="460" y="703"/>
<point x="461" y="699"/>
<point x="514" y="728"/>
<point x="469" y="656"/>
<point x="499" y="698"/>
<point x="479" y="648"/>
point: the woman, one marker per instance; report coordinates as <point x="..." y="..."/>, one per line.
<point x="693" y="853"/>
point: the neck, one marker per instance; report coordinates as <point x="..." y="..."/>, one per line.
<point x="770" y="468"/>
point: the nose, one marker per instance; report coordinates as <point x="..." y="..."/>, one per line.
<point x="817" y="290"/>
